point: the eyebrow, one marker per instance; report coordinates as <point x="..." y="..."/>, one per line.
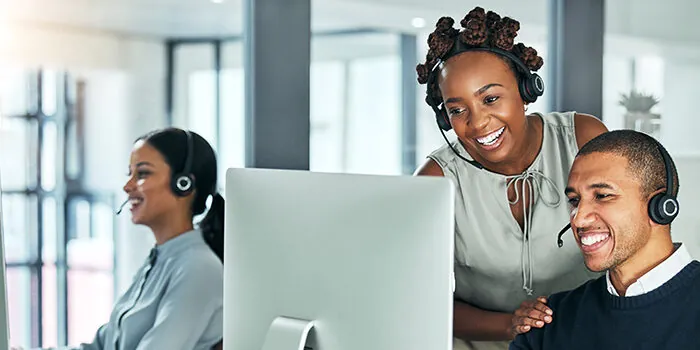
<point x="597" y="185"/>
<point x="143" y="163"/>
<point x="485" y="88"/>
<point x="477" y="93"/>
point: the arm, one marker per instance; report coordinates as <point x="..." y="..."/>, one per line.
<point x="587" y="127"/>
<point x="472" y="323"/>
<point x="192" y="302"/>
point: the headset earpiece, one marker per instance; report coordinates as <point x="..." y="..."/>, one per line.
<point x="442" y="119"/>
<point x="438" y="107"/>
<point x="182" y="184"/>
<point x="531" y="87"/>
<point x="663" y="207"/>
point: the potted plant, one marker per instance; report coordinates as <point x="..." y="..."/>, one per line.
<point x="639" y="116"/>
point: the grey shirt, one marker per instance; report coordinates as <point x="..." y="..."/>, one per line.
<point x="498" y="265"/>
<point x="175" y="304"/>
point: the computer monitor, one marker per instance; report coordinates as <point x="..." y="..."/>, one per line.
<point x="4" y="318"/>
<point x="324" y="261"/>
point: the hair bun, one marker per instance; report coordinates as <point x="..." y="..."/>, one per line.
<point x="423" y="73"/>
<point x="529" y="56"/>
<point x="440" y="43"/>
<point x="474" y="32"/>
<point x="444" y="24"/>
<point x="477" y="13"/>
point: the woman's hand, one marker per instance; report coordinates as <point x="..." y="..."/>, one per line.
<point x="532" y="313"/>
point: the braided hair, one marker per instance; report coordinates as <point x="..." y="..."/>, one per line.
<point x="479" y="30"/>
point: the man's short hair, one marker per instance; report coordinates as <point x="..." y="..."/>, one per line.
<point x="644" y="158"/>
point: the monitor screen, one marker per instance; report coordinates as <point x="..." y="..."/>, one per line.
<point x="337" y="261"/>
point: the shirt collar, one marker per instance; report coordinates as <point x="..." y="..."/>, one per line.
<point x="179" y="243"/>
<point x="657" y="276"/>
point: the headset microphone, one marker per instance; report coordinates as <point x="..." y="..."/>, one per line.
<point x="121" y="207"/>
<point x="560" y="242"/>
<point x="472" y="162"/>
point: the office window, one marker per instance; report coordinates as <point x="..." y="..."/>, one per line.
<point x="650" y="83"/>
<point x="46" y="285"/>
<point x="19" y="297"/>
<point x="195" y="106"/>
<point x="355" y="103"/>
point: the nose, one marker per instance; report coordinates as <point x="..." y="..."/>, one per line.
<point x="129" y="185"/>
<point x="479" y="121"/>
<point x="583" y="215"/>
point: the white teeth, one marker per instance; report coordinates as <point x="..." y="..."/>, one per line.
<point x="593" y="239"/>
<point x="491" y="138"/>
<point x="135" y="201"/>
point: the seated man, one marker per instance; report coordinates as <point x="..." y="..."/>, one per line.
<point x="649" y="297"/>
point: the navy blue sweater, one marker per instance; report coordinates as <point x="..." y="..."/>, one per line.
<point x="589" y="317"/>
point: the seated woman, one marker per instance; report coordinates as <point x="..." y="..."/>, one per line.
<point x="176" y="298"/>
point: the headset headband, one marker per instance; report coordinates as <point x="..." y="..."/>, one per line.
<point x="460" y="47"/>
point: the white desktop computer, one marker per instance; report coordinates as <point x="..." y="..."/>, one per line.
<point x="324" y="261"/>
<point x="4" y="319"/>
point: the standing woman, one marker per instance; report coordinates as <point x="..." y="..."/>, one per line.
<point x="510" y="169"/>
<point x="176" y="298"/>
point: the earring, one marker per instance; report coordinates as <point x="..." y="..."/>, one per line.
<point x="525" y="107"/>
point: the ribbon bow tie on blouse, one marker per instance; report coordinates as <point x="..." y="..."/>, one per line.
<point x="537" y="186"/>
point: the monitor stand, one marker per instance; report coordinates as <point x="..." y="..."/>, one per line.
<point x="287" y="333"/>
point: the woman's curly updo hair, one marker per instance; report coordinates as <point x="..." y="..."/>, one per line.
<point x="479" y="30"/>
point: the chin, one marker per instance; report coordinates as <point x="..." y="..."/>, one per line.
<point x="595" y="265"/>
<point x="497" y="157"/>
<point x="136" y="220"/>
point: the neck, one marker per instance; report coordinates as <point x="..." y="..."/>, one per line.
<point x="657" y="249"/>
<point x="171" y="228"/>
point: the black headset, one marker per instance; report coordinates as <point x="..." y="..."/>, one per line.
<point x="182" y="183"/>
<point x="663" y="207"/>
<point x="530" y="84"/>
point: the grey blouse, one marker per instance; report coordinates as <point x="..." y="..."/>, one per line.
<point x="175" y="301"/>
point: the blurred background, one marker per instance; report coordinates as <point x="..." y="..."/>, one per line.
<point x="81" y="79"/>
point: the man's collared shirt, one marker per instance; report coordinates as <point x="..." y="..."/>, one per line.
<point x="657" y="276"/>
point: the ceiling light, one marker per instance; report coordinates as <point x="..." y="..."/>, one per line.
<point x="418" y="22"/>
<point x="217" y="1"/>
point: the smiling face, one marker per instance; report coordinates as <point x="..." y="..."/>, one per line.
<point x="609" y="214"/>
<point x="483" y="103"/>
<point x="148" y="188"/>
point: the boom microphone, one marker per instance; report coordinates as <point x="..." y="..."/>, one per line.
<point x="121" y="207"/>
<point x="560" y="241"/>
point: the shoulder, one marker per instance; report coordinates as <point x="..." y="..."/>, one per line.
<point x="587" y="127"/>
<point x="438" y="161"/>
<point x="583" y="127"/>
<point x="429" y="168"/>
<point x="197" y="266"/>
<point x="572" y="299"/>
